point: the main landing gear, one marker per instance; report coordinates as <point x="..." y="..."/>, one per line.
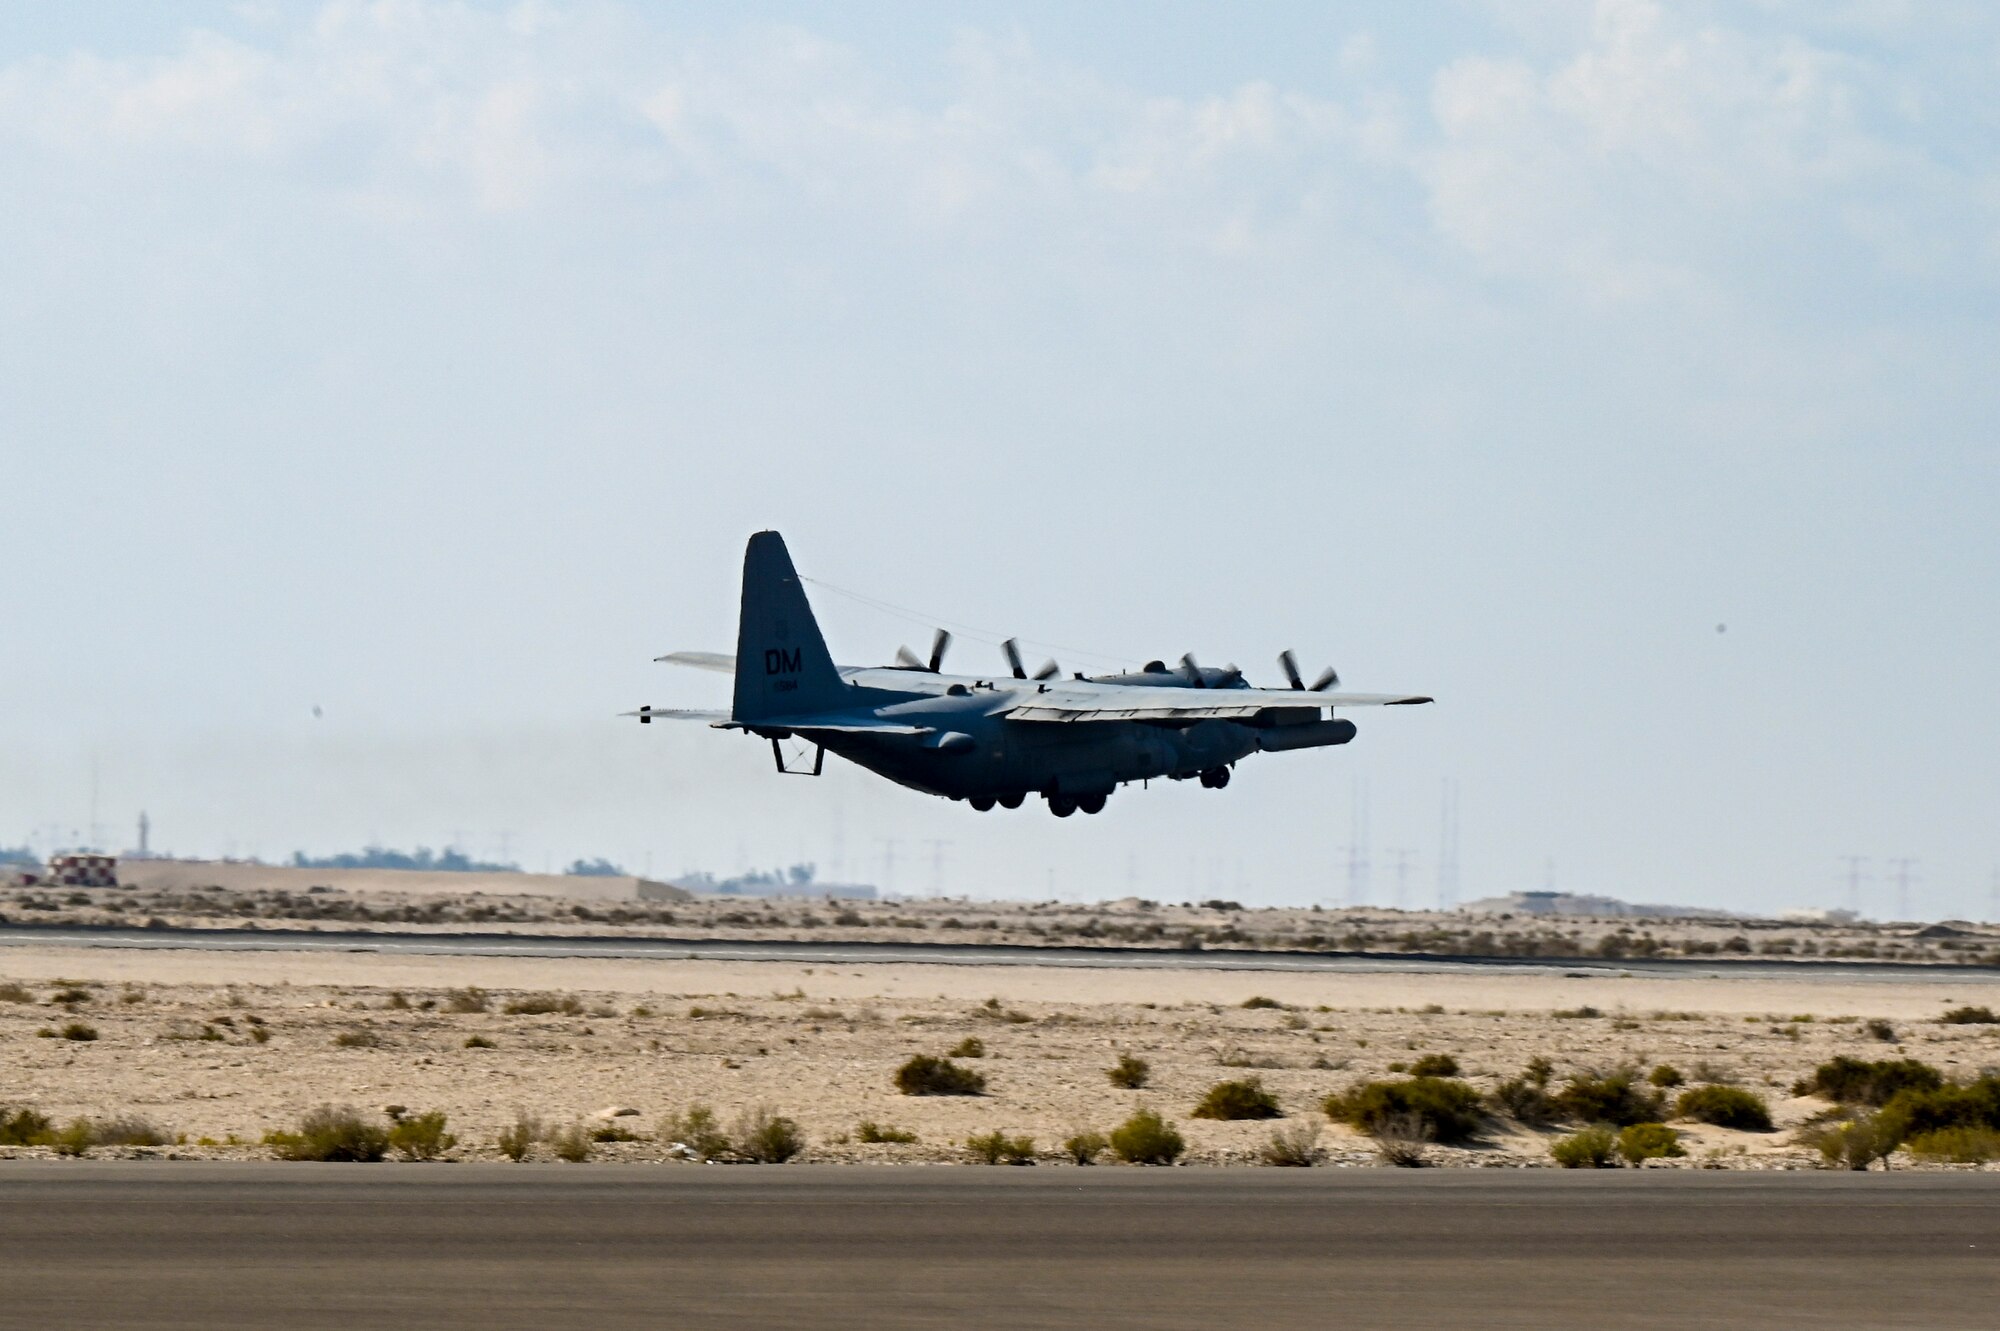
<point x="1062" y="806"/>
<point x="1215" y="778"/>
<point x="985" y="803"/>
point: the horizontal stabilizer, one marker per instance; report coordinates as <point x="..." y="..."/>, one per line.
<point x="839" y="723"/>
<point x="678" y="714"/>
<point x="720" y="662"/>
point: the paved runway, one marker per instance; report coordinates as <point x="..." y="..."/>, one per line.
<point x="184" y="1245"/>
<point x="949" y="954"/>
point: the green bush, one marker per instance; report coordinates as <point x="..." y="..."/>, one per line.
<point x="1666" y="1076"/>
<point x="1592" y="1148"/>
<point x="23" y="1127"/>
<point x="519" y="1138"/>
<point x="1084" y="1147"/>
<point x="697" y="1129"/>
<point x="1147" y="1139"/>
<point x="1852" y="1144"/>
<point x="1846" y="1080"/>
<point x="1524" y="1101"/>
<point x="1617" y="1097"/>
<point x="970" y="1047"/>
<point x="925" y="1074"/>
<point x="1435" y="1065"/>
<point x="997" y="1148"/>
<point x="73" y="1140"/>
<point x="421" y="1136"/>
<point x="1725" y="1107"/>
<point x="871" y="1131"/>
<point x="1449" y="1110"/>
<point x="1129" y="1073"/>
<point x="1963" y="1145"/>
<point x="1970" y="1016"/>
<point x="1232" y="1100"/>
<point x="1649" y="1141"/>
<point x="331" y="1132"/>
<point x="1915" y="1112"/>
<point x="764" y="1138"/>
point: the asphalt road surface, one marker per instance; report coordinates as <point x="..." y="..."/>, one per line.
<point x="183" y="1245"/>
<point x="946" y="954"/>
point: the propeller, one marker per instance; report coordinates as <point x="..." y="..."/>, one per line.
<point x="1191" y="671"/>
<point x="1290" y="665"/>
<point x="1012" y="648"/>
<point x="909" y="660"/>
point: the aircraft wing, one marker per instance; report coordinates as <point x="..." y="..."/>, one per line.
<point x="722" y="662"/>
<point x="1084" y="702"/>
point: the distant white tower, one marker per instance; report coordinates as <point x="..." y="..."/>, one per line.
<point x="145" y="834"/>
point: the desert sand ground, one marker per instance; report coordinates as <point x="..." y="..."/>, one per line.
<point x="176" y="1043"/>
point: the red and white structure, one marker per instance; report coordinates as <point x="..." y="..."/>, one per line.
<point x="83" y="869"/>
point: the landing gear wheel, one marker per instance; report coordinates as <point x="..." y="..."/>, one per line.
<point x="1090" y="803"/>
<point x="1012" y="801"/>
<point x="980" y="802"/>
<point x="1215" y="778"/>
<point x="1062" y="806"/>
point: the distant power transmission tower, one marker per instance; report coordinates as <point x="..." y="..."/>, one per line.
<point x="1856" y="875"/>
<point x="1447" y="867"/>
<point x="888" y="866"/>
<point x="1903" y="878"/>
<point x="1402" y="875"/>
<point x="1357" y="846"/>
<point x="937" y="867"/>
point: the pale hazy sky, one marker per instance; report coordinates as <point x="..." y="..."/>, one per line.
<point x="429" y="363"/>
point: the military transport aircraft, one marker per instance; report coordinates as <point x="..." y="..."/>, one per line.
<point x="996" y="739"/>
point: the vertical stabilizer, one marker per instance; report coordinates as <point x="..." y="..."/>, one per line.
<point x="782" y="665"/>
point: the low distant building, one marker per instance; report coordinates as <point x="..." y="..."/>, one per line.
<point x="83" y="869"/>
<point x="1574" y="903"/>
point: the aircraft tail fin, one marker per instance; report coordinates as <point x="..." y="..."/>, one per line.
<point x="782" y="665"/>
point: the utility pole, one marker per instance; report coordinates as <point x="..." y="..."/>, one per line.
<point x="1903" y="879"/>
<point x="1855" y="875"/>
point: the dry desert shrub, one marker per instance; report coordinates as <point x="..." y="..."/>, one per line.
<point x="872" y="1132"/>
<point x="925" y="1074"/>
<point x="1970" y="1016"/>
<point x="1853" y="1143"/>
<point x="1229" y="1101"/>
<point x="1294" y="1145"/>
<point x="1592" y="1148"/>
<point x="1725" y="1107"/>
<point x="13" y="991"/>
<point x="1435" y="1065"/>
<point x="696" y="1129"/>
<point x="1404" y="1140"/>
<point x="331" y="1132"/>
<point x="128" y="1130"/>
<point x="997" y="1148"/>
<point x="1147" y="1139"/>
<point x="469" y="999"/>
<point x="571" y="1144"/>
<point x="519" y="1137"/>
<point x="764" y="1138"/>
<point x="1524" y="1101"/>
<point x="1085" y="1145"/>
<point x="358" y="1037"/>
<point x="541" y="1005"/>
<point x="1129" y="1073"/>
<point x="23" y="1127"/>
<point x="1259" y="1001"/>
<point x="970" y="1047"/>
<point x="1666" y="1076"/>
<point x="479" y="1042"/>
